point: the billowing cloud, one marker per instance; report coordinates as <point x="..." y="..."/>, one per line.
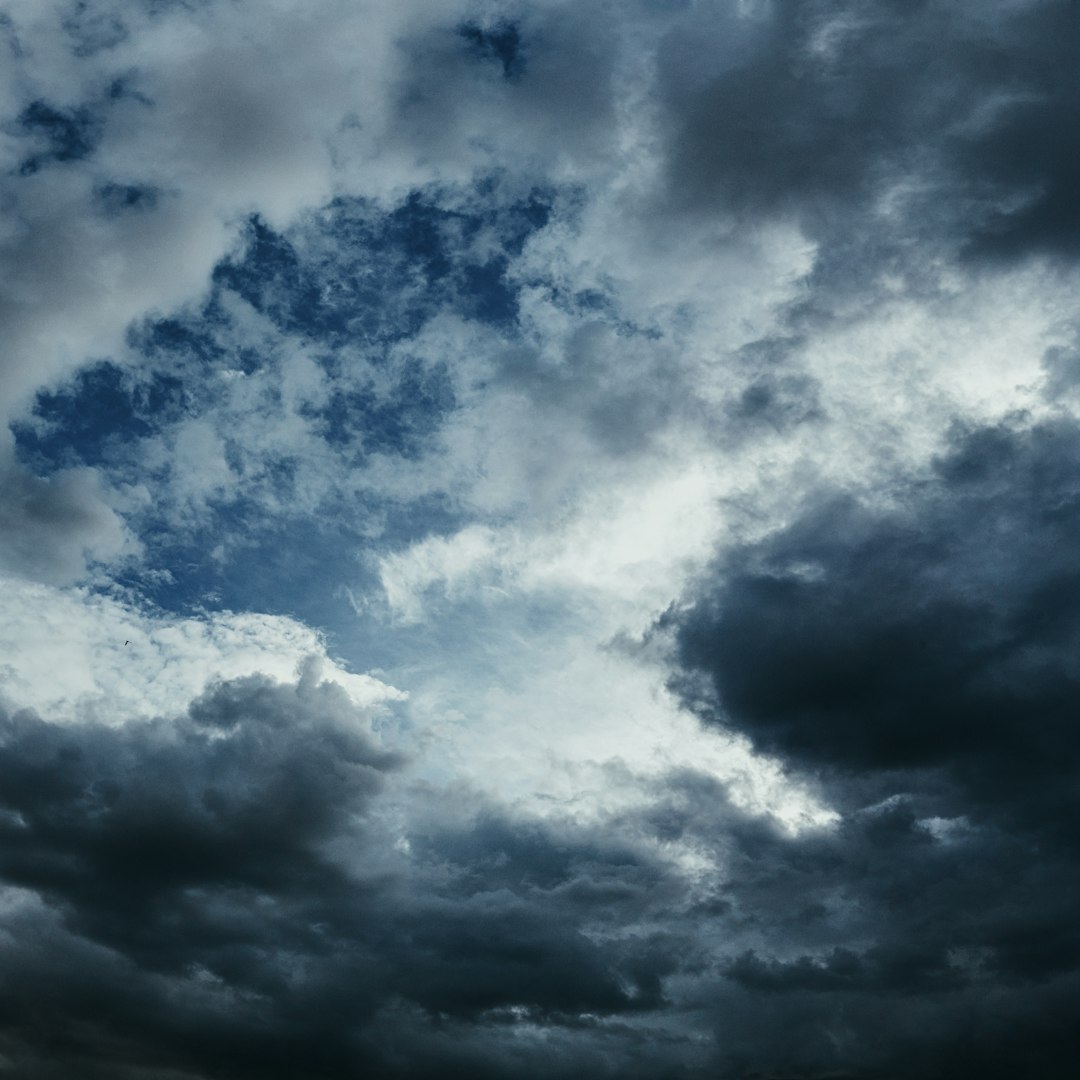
<point x="537" y="539"/>
<point x="929" y="633"/>
<point x="918" y="660"/>
<point x="837" y="112"/>
<point x="231" y="899"/>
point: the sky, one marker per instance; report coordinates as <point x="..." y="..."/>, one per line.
<point x="539" y="539"/>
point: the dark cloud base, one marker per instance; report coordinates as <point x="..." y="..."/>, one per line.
<point x="921" y="665"/>
<point x="211" y="897"/>
<point x="224" y="895"/>
<point x="960" y="120"/>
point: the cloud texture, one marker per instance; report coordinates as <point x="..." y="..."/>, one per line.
<point x="539" y="539"/>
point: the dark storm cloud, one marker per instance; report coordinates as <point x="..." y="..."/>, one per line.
<point x="920" y="662"/>
<point x="117" y="823"/>
<point x="938" y="635"/>
<point x="820" y="108"/>
<point x="885" y="946"/>
<point x="213" y="895"/>
<point x="166" y="851"/>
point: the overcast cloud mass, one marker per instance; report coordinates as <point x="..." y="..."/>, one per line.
<point x="539" y="539"/>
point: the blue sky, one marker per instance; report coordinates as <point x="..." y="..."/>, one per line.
<point x="538" y="539"/>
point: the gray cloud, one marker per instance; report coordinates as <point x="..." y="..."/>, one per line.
<point x="50" y="527"/>
<point x="920" y="663"/>
<point x="892" y="151"/>
<point x="876" y="640"/>
<point x="226" y="901"/>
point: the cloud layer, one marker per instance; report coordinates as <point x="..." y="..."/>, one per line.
<point x="538" y="539"/>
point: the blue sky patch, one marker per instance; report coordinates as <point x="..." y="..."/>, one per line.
<point x="94" y="418"/>
<point x="67" y="135"/>
<point x="396" y="424"/>
<point x="355" y="274"/>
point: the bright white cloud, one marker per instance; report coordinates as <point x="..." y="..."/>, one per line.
<point x="76" y="656"/>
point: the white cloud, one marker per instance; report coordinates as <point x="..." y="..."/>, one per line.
<point x="74" y="655"/>
<point x="627" y="550"/>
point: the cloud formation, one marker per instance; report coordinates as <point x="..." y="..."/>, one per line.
<point x="918" y="660"/>
<point x="538" y="539"/>
<point x="231" y="903"/>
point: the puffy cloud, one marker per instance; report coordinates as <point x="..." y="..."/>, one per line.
<point x="123" y="660"/>
<point x="935" y="633"/>
<point x="839" y="112"/>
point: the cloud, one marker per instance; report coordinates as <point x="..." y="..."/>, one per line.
<point x="50" y="527"/>
<point x="926" y="635"/>
<point x="917" y="660"/>
<point x="825" y="110"/>
<point x="457" y="344"/>
<point x="228" y="872"/>
<point x="185" y="855"/>
<point x="124" y="660"/>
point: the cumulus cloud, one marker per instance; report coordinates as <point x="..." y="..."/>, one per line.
<point x="888" y="639"/>
<point x="123" y="660"/>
